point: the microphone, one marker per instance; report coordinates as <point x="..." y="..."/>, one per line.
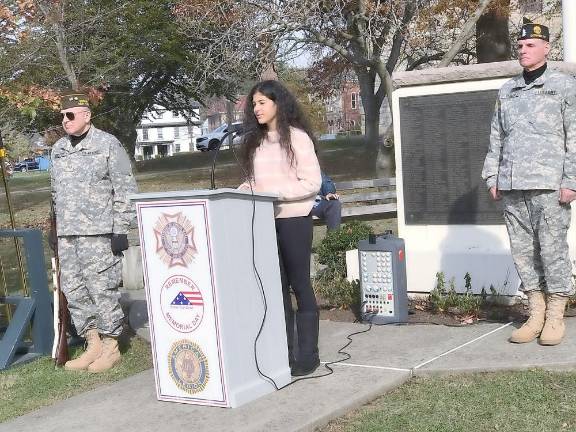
<point x="231" y="129"/>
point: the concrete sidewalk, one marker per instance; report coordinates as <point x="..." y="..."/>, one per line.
<point x="381" y="359"/>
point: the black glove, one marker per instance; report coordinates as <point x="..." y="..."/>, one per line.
<point x="119" y="243"/>
<point x="52" y="239"/>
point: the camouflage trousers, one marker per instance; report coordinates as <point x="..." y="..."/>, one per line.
<point x="538" y="226"/>
<point x="90" y="275"/>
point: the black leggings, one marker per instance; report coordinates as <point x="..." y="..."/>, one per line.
<point x="295" y="247"/>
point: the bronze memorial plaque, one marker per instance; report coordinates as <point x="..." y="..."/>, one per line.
<point x="444" y="140"/>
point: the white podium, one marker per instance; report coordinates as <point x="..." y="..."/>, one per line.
<point x="210" y="279"/>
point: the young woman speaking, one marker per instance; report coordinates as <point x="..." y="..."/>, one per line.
<point x="279" y="156"/>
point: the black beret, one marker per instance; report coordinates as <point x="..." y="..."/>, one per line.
<point x="73" y="99"/>
<point x="532" y="30"/>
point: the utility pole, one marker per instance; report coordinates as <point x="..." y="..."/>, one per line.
<point x="229" y="119"/>
<point x="569" y="30"/>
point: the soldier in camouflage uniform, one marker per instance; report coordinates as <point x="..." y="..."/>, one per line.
<point x="91" y="180"/>
<point x="531" y="165"/>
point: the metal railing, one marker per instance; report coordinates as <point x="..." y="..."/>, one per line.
<point x="26" y="328"/>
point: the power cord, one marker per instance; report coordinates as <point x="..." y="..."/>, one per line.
<point x="258" y="278"/>
<point x="260" y="284"/>
<point x="341" y="351"/>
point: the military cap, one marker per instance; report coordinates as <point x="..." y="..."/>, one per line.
<point x="532" y="30"/>
<point x="73" y="99"/>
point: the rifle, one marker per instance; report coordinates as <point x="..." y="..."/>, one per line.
<point x="61" y="313"/>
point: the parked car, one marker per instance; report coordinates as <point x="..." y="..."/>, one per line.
<point x="211" y="140"/>
<point x="26" y="165"/>
<point x="327" y="137"/>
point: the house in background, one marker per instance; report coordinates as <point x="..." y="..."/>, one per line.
<point x="345" y="113"/>
<point x="344" y="110"/>
<point x="164" y="133"/>
<point x="216" y="112"/>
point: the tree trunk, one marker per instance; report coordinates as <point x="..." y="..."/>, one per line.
<point x="124" y="128"/>
<point x="372" y="119"/>
<point x="121" y="119"/>
<point x="190" y="127"/>
<point x="55" y="16"/>
<point x="229" y="119"/>
<point x="465" y="34"/>
<point x="61" y="47"/>
<point x="370" y="103"/>
<point x="493" y="38"/>
<point x="385" y="163"/>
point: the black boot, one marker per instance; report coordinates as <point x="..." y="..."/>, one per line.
<point x="308" y="359"/>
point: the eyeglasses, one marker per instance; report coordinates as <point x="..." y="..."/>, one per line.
<point x="70" y="115"/>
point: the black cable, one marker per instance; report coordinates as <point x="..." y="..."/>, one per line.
<point x="328" y="364"/>
<point x="262" y="293"/>
<point x="341" y="351"/>
<point x="258" y="278"/>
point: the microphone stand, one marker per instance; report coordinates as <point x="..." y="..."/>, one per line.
<point x="231" y="130"/>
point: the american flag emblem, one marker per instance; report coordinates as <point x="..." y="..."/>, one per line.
<point x="182" y="303"/>
<point x="188" y="298"/>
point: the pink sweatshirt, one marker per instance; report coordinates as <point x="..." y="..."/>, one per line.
<point x="296" y="185"/>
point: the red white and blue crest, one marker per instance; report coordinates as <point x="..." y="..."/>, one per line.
<point x="182" y="303"/>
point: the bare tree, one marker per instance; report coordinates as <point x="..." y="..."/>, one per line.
<point x="53" y="15"/>
<point x="372" y="37"/>
<point x="492" y="34"/>
<point x="467" y="32"/>
<point x="367" y="34"/>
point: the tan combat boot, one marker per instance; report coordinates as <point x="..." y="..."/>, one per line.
<point x="531" y="328"/>
<point x="93" y="351"/>
<point x="554" y="327"/>
<point x="110" y="356"/>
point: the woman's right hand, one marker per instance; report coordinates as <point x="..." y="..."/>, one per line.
<point x="244" y="186"/>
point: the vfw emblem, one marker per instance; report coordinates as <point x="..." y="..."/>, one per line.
<point x="175" y="240"/>
<point x="182" y="304"/>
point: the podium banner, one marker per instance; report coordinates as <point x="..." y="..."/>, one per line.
<point x="182" y="301"/>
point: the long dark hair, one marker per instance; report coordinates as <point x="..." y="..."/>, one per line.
<point x="288" y="113"/>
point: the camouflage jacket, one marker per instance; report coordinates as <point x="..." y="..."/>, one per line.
<point x="533" y="135"/>
<point x="90" y="185"/>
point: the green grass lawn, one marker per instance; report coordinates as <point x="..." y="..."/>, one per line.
<point x="527" y="401"/>
<point x="29" y="181"/>
<point x="28" y="387"/>
<point x="343" y="159"/>
<point x="349" y="158"/>
<point x="31" y="386"/>
<point x="517" y="401"/>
